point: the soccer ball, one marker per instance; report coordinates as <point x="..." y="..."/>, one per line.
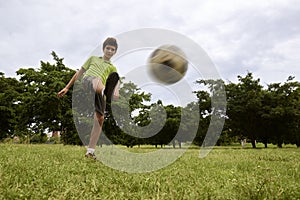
<point x="167" y="64"/>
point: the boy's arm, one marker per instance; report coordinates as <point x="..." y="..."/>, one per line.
<point x="75" y="77"/>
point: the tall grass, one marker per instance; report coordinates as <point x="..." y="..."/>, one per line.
<point x="62" y="172"/>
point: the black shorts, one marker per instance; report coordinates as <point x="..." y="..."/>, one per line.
<point x="99" y="101"/>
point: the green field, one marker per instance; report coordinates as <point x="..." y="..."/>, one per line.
<point x="62" y="172"/>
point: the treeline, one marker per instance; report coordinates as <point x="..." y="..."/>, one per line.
<point x="30" y="108"/>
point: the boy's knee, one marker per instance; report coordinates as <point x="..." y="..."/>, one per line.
<point x="98" y="85"/>
<point x="100" y="118"/>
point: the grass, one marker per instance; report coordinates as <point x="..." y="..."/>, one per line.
<point x="62" y="172"/>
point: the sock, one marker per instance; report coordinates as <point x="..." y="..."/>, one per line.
<point x="90" y="150"/>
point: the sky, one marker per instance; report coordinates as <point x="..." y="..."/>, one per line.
<point x="258" y="36"/>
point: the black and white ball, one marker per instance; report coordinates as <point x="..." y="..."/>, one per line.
<point x="168" y="64"/>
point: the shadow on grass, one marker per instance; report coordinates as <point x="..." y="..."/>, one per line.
<point x="232" y="147"/>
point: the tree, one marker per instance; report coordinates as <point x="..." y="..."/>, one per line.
<point x="9" y="99"/>
<point x="191" y="120"/>
<point x="40" y="109"/>
<point x="212" y="107"/>
<point x="169" y="125"/>
<point x="129" y="115"/>
<point x="204" y="104"/>
<point x="244" y="107"/>
<point x="282" y="112"/>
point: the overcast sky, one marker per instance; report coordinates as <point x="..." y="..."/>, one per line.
<point x="260" y="36"/>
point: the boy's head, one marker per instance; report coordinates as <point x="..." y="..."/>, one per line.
<point x="110" y="41"/>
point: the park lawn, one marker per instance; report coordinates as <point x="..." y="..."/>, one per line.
<point x="62" y="172"/>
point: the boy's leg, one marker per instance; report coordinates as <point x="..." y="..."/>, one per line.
<point x="98" y="116"/>
<point x="111" y="83"/>
<point x="109" y="88"/>
<point x="93" y="84"/>
<point x="100" y="105"/>
<point x="95" y="134"/>
<point x="98" y="85"/>
<point x="96" y="131"/>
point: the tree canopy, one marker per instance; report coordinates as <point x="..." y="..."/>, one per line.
<point x="30" y="108"/>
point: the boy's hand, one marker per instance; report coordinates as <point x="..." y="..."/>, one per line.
<point x="62" y="92"/>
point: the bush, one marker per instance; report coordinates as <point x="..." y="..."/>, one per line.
<point x="54" y="140"/>
<point x="38" y="138"/>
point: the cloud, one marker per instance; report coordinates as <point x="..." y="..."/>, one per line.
<point x="35" y="28"/>
<point x="241" y="36"/>
<point x="261" y="37"/>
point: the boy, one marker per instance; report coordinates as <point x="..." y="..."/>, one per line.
<point x="100" y="76"/>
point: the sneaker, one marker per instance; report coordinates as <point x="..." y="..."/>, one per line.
<point x="110" y="85"/>
<point x="91" y="155"/>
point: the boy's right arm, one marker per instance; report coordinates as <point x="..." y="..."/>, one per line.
<point x="75" y="77"/>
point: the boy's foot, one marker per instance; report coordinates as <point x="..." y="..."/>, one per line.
<point x="91" y="155"/>
<point x="110" y="85"/>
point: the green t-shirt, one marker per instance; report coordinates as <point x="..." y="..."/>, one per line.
<point x="98" y="67"/>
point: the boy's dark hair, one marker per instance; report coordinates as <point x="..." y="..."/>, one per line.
<point x="110" y="41"/>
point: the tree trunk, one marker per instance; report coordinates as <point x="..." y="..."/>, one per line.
<point x="265" y="142"/>
<point x="266" y="145"/>
<point x="173" y="142"/>
<point x="279" y="143"/>
<point x="253" y="142"/>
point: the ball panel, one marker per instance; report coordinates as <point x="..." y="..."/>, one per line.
<point x="168" y="64"/>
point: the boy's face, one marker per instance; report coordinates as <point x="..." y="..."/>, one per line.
<point x="109" y="51"/>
